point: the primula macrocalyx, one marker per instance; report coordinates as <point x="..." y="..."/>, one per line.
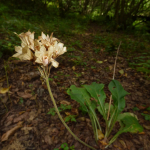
<point x="47" y="41"/>
<point x="43" y="50"/>
<point x="23" y="53"/>
<point x="44" y="57"/>
<point x="59" y="49"/>
<point x="27" y="39"/>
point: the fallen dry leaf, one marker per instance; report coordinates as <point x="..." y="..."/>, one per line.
<point x="146" y="127"/>
<point x="100" y="134"/>
<point x="75" y="110"/>
<point x="48" y="140"/>
<point x="68" y="113"/>
<point x="110" y="68"/>
<point x="73" y="68"/>
<point x="81" y="119"/>
<point x="6" y="135"/>
<point x="4" y="90"/>
<point x="32" y="115"/>
<point x="21" y="117"/>
<point x="123" y="144"/>
<point x="121" y="72"/>
<point x="64" y="102"/>
<point x="26" y="129"/>
<point x="24" y="95"/>
<point x="4" y="99"/>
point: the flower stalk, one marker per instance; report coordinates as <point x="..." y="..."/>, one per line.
<point x="60" y="117"/>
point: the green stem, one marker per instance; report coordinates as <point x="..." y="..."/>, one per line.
<point x="112" y="124"/>
<point x="60" y="117"/>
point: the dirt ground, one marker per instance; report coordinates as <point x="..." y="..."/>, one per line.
<point x="28" y="101"/>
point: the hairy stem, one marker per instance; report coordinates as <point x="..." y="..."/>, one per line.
<point x="60" y="117"/>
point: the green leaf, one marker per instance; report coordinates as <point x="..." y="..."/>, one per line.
<point x="21" y="101"/>
<point x="64" y="107"/>
<point x="52" y="111"/>
<point x="96" y="91"/>
<point x="128" y="123"/>
<point x="80" y="95"/>
<point x="50" y="79"/>
<point x="73" y="119"/>
<point x="64" y="145"/>
<point x="146" y="116"/>
<point x="67" y="119"/>
<point x="135" y="109"/>
<point x="106" y="107"/>
<point x="72" y="147"/>
<point x="118" y="94"/>
<point x="148" y="108"/>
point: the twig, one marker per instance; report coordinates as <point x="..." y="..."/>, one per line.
<point x="5" y="67"/>
<point x="113" y="79"/>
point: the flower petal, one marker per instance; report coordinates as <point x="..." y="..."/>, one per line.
<point x="38" y="60"/>
<point x="54" y="63"/>
<point x="18" y="49"/>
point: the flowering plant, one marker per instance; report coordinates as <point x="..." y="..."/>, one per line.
<point x="43" y="51"/>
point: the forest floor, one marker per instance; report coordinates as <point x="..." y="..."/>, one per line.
<point x="28" y="101"/>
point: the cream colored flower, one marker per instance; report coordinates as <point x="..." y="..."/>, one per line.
<point x="37" y="45"/>
<point x="59" y="49"/>
<point x="44" y="57"/>
<point x="27" y="39"/>
<point x="46" y="40"/>
<point x="23" y="53"/>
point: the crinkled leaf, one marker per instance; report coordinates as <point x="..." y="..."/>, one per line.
<point x="96" y="91"/>
<point x="80" y="95"/>
<point x="118" y="94"/>
<point x="128" y="123"/>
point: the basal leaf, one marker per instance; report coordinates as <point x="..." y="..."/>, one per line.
<point x="128" y="123"/>
<point x="96" y="91"/>
<point x="107" y="107"/>
<point x="80" y="95"/>
<point x="118" y="94"/>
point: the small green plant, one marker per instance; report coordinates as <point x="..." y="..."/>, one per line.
<point x="70" y="118"/>
<point x="92" y="97"/>
<point x="77" y="43"/>
<point x="146" y="116"/>
<point x="55" y="77"/>
<point x="148" y="108"/>
<point x="142" y="64"/>
<point x="71" y="49"/>
<point x="50" y="79"/>
<point x="96" y="50"/>
<point x="99" y="40"/>
<point x="65" y="146"/>
<point x="31" y="87"/>
<point x="21" y="101"/>
<point x="135" y="109"/>
<point x="67" y="75"/>
<point x="61" y="108"/>
<point x="77" y="74"/>
<point x="93" y="67"/>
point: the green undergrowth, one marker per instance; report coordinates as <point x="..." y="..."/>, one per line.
<point x="16" y="20"/>
<point x="13" y="19"/>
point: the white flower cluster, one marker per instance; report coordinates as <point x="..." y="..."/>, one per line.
<point x="43" y="50"/>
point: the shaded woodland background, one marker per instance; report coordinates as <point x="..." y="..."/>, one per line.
<point x="68" y="17"/>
